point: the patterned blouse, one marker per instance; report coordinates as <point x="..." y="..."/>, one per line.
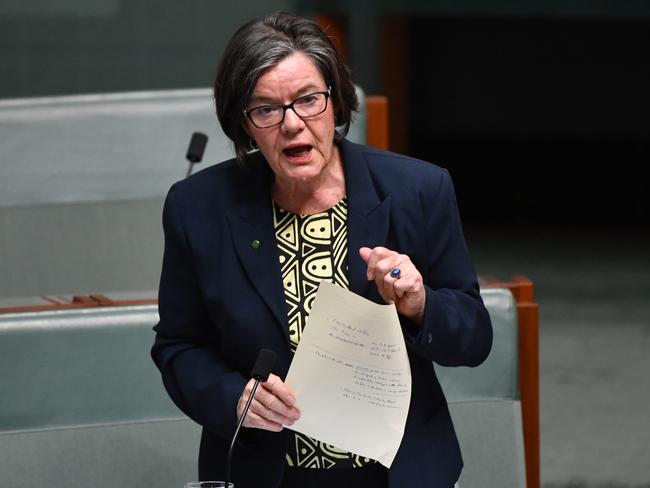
<point x="312" y="248"/>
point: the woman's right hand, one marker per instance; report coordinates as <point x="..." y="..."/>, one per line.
<point x="273" y="406"/>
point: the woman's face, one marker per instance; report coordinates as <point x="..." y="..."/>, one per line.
<point x="298" y="150"/>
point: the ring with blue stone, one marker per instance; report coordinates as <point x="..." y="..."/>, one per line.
<point x="396" y="273"/>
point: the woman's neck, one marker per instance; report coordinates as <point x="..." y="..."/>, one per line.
<point x="312" y="196"/>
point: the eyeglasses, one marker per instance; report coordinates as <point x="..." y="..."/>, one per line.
<point x="310" y="105"/>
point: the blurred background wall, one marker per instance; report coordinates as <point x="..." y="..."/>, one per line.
<point x="91" y="46"/>
<point x="513" y="97"/>
<point x="540" y="111"/>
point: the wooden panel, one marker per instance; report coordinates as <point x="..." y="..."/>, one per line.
<point x="377" y="135"/>
<point x="528" y="316"/>
<point x="43" y="308"/>
<point x="336" y="27"/>
<point x="529" y="387"/>
<point x="394" y="68"/>
<point x="49" y="303"/>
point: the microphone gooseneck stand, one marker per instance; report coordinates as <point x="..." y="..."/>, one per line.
<point x="261" y="370"/>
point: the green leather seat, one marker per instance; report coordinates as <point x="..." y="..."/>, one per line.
<point x="82" y="403"/>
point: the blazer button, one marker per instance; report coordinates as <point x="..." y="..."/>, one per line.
<point x="429" y="338"/>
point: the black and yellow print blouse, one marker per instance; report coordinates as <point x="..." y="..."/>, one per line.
<point x="312" y="248"/>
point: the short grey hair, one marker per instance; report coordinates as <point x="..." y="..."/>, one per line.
<point x="260" y="45"/>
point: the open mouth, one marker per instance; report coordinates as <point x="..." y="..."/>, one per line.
<point x="297" y="151"/>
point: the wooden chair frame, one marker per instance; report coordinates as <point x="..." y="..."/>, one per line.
<point x="528" y="317"/>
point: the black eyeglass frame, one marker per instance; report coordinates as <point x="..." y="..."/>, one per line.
<point x="327" y="93"/>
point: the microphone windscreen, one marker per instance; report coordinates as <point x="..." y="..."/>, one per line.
<point x="263" y="365"/>
<point x="197" y="147"/>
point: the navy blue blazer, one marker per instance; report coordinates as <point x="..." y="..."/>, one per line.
<point x="221" y="300"/>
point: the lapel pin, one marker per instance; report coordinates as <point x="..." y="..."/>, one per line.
<point x="255" y="244"/>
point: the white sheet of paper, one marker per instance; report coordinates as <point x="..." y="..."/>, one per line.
<point x="351" y="375"/>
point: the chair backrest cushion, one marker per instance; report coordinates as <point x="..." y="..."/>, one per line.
<point x="82" y="184"/>
<point x="82" y="403"/>
<point x="485" y="406"/>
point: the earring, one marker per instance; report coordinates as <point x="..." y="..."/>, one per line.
<point x="252" y="145"/>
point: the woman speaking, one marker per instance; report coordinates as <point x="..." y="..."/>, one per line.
<point x="248" y="241"/>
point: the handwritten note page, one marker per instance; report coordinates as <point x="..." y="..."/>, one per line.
<point x="351" y="375"/>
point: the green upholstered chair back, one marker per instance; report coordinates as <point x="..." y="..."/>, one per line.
<point x="83" y="405"/>
<point x="485" y="405"/>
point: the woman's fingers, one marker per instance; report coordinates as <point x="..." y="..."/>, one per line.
<point x="376" y="259"/>
<point x="265" y="416"/>
<point x="273" y="405"/>
<point x="381" y="262"/>
<point x="253" y="420"/>
<point x="279" y="390"/>
<point x="405" y="289"/>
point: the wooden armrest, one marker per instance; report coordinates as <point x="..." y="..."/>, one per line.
<point x="53" y="302"/>
<point x="528" y="315"/>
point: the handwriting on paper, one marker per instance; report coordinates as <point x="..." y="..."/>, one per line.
<point x="358" y="337"/>
<point x="352" y="359"/>
<point x="370" y="383"/>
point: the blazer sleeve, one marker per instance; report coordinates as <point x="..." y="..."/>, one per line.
<point x="456" y="329"/>
<point x="186" y="344"/>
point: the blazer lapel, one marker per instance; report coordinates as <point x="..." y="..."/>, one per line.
<point x="368" y="216"/>
<point x="253" y="235"/>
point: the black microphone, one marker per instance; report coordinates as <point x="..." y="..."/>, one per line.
<point x="260" y="372"/>
<point x="195" y="150"/>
